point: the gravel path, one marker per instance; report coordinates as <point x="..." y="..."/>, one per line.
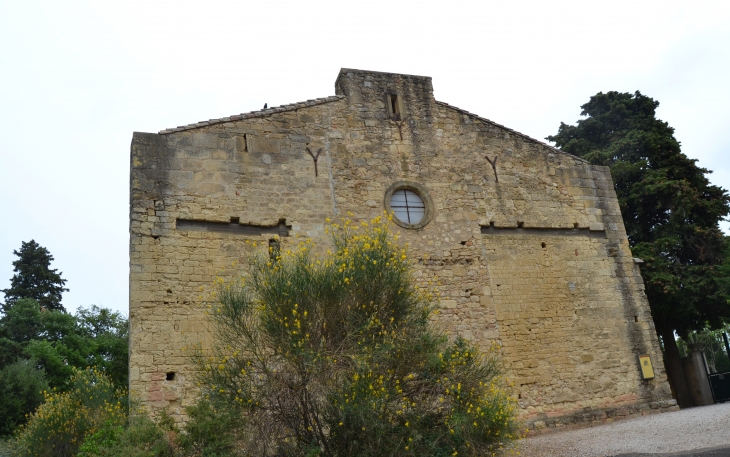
<point x="689" y="429"/>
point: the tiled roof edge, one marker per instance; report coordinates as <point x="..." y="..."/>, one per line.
<point x="254" y="114"/>
<point x="463" y="111"/>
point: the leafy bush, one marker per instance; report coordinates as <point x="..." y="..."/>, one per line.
<point x="141" y="437"/>
<point x="61" y="424"/>
<point x="21" y="391"/>
<point x="336" y="357"/>
<point x="210" y="432"/>
<point x="91" y="420"/>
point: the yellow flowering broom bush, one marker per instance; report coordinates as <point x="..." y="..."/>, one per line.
<point x="335" y="356"/>
<point x="60" y="425"/>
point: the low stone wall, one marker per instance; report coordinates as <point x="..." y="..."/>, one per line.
<point x="590" y="417"/>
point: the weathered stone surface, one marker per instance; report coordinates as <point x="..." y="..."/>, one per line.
<point x="568" y="312"/>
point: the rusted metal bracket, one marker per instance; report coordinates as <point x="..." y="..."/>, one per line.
<point x="493" y="163"/>
<point x="314" y="157"/>
<point x="396" y="119"/>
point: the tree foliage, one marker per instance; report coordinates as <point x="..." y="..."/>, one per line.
<point x="35" y="279"/>
<point x="335" y="356"/>
<point x="41" y="345"/>
<point x="60" y="342"/>
<point x="670" y="209"/>
<point x="21" y="392"/>
<point x="713" y="347"/>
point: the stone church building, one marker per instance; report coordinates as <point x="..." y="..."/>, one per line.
<point x="526" y="242"/>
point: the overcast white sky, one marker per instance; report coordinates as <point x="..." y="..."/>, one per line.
<point x="78" y="77"/>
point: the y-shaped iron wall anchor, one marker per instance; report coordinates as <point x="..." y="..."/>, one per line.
<point x="493" y="163"/>
<point x="314" y="157"/>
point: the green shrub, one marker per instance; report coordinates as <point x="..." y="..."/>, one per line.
<point x="61" y="424"/>
<point x="210" y="432"/>
<point x="335" y="356"/>
<point x="21" y="392"/>
<point x="139" y="437"/>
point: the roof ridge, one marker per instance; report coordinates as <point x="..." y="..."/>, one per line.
<point x="355" y="70"/>
<point x="483" y="119"/>
<point x="253" y="114"/>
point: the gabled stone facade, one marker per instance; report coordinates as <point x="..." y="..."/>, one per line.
<point x="525" y="242"/>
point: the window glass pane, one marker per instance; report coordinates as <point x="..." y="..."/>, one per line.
<point x="413" y="199"/>
<point x="398" y="198"/>
<point x="407" y="206"/>
<point x="416" y="214"/>
<point x="401" y="214"/>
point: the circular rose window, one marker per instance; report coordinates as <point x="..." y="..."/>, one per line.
<point x="407" y="206"/>
<point x="410" y="204"/>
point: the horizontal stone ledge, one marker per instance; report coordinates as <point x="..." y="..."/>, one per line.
<point x="542" y="231"/>
<point x="233" y="228"/>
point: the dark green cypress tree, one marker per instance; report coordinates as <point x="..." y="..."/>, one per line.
<point x="670" y="209"/>
<point x="35" y="279"/>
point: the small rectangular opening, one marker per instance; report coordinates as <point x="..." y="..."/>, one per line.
<point x="242" y="143"/>
<point x="394" y="106"/>
<point x="170" y="376"/>
<point x="274" y="248"/>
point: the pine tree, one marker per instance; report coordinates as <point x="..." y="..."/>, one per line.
<point x="670" y="210"/>
<point x="35" y="279"/>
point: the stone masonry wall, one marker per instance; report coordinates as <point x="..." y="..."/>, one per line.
<point x="532" y="256"/>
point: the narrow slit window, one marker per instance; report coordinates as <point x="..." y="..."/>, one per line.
<point x="394" y="107"/>
<point x="407" y="206"/>
<point x="242" y="143"/>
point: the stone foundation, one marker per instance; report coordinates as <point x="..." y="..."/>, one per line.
<point x="591" y="417"/>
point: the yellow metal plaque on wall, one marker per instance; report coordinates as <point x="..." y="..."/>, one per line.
<point x="646" y="369"/>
